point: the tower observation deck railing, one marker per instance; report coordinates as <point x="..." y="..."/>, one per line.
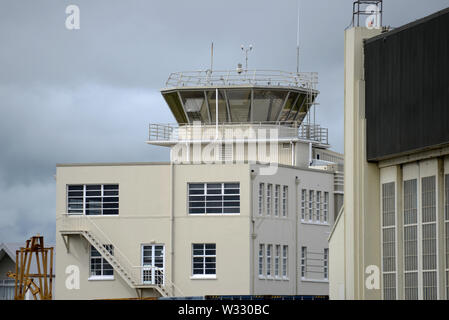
<point x="174" y="133"/>
<point x="305" y="80"/>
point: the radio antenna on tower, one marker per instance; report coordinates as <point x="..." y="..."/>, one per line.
<point x="297" y="44"/>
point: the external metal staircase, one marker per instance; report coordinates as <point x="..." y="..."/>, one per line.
<point x="132" y="274"/>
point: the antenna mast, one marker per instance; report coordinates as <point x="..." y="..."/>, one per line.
<point x="297" y="44"/>
<point x="211" y="56"/>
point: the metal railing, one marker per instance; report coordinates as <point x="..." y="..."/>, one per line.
<point x="135" y="275"/>
<point x="206" y="132"/>
<point x="306" y="80"/>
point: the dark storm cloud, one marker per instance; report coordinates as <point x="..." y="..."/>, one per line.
<point x="88" y="95"/>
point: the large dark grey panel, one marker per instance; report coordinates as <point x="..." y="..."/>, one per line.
<point x="407" y="88"/>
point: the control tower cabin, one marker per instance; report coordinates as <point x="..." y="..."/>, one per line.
<point x="244" y="207"/>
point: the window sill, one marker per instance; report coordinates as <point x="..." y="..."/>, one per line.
<point x="324" y="224"/>
<point x="100" y="278"/>
<point x="315" y="280"/>
<point x="203" y="277"/>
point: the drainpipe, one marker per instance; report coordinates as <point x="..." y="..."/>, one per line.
<point x="252" y="175"/>
<point x="296" y="246"/>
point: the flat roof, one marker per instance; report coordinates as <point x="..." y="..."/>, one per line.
<point x="116" y="164"/>
<point x="408" y="25"/>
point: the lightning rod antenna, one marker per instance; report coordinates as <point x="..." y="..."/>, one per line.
<point x="297" y="44"/>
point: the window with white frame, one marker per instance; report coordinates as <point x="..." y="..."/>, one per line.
<point x="311" y="199"/>
<point x="261" y="197"/>
<point x="277" y="260"/>
<point x="99" y="266"/>
<point x="204" y="259"/>
<point x="318" y="207"/>
<point x="303" y="204"/>
<point x="261" y="260"/>
<point x="389" y="241"/>
<point x="268" y="265"/>
<point x="429" y="239"/>
<point x="284" y="261"/>
<point x="326" y="207"/>
<point x="277" y="191"/>
<point x="326" y="264"/>
<point x="214" y="198"/>
<point x="410" y="235"/>
<point x="303" y="262"/>
<point x="284" y="201"/>
<point x="269" y="193"/>
<point x="95" y="199"/>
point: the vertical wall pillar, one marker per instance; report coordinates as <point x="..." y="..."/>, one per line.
<point x="361" y="188"/>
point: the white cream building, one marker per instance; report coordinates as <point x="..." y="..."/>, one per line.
<point x="239" y="220"/>
<point x="391" y="239"/>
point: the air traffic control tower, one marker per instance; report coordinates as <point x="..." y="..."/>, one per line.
<point x="244" y="207"/>
<point x="228" y="107"/>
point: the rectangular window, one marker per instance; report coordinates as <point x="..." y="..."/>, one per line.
<point x="277" y="261"/>
<point x="284" y="261"/>
<point x="99" y="266"/>
<point x="429" y="238"/>
<point x="277" y="191"/>
<point x="261" y="260"/>
<point x="269" y="192"/>
<point x="326" y="207"/>
<point x="99" y="199"/>
<point x="204" y="259"/>
<point x="284" y="201"/>
<point x="389" y="241"/>
<point x="318" y="206"/>
<point x="214" y="198"/>
<point x="269" y="252"/>
<point x="311" y="202"/>
<point x="303" y="204"/>
<point x="410" y="221"/>
<point x="303" y="262"/>
<point x="326" y="264"/>
<point x="261" y="194"/>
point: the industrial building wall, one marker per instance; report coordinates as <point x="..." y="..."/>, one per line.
<point x="142" y="219"/>
<point x="337" y="259"/>
<point x="230" y="233"/>
<point x="273" y="230"/>
<point x="415" y="233"/>
<point x="145" y="218"/>
<point x="407" y="88"/>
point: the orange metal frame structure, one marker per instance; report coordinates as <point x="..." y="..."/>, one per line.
<point x="40" y="283"/>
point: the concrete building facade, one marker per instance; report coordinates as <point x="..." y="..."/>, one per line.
<point x="248" y="222"/>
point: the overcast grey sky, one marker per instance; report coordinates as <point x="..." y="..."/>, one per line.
<point x="88" y="95"/>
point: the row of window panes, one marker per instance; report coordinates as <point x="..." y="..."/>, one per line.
<point x="204" y="257"/>
<point x="415" y="229"/>
<point x="273" y="264"/>
<point x="314" y="206"/>
<point x="214" y="198"/>
<point x="93" y="199"/>
<point x="273" y="201"/>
